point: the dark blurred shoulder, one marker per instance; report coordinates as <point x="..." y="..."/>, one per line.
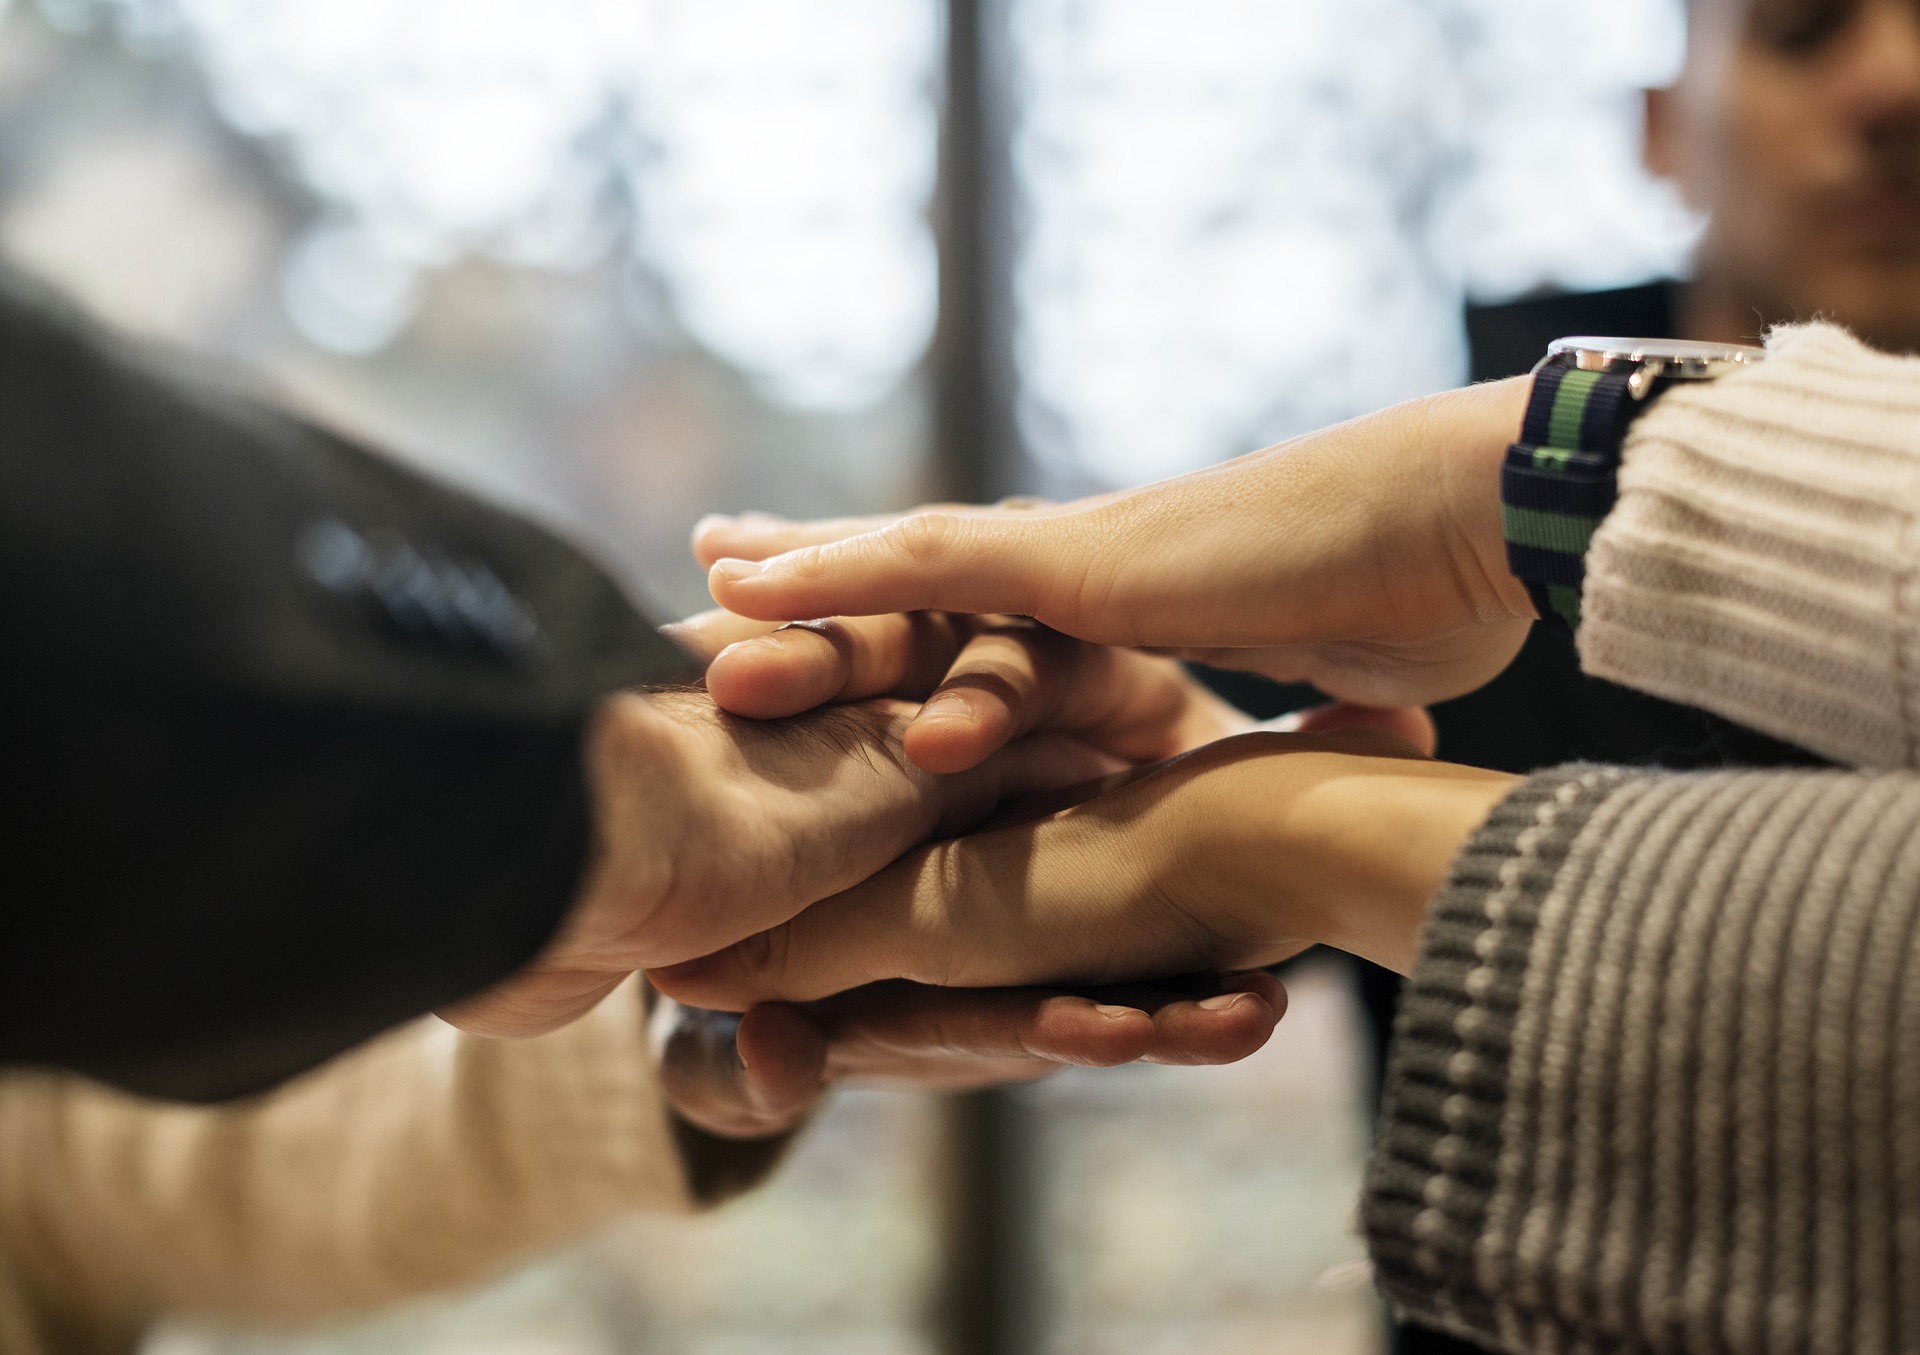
<point x="1507" y="339"/>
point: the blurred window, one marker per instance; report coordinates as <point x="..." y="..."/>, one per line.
<point x="623" y="262"/>
<point x="610" y="258"/>
<point x="1248" y="220"/>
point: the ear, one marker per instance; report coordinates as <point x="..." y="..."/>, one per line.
<point x="1657" y="151"/>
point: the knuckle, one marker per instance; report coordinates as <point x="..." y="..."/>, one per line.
<point x="759" y="958"/>
<point x="936" y="954"/>
<point x="780" y="950"/>
<point x="1007" y="686"/>
<point x="922" y="539"/>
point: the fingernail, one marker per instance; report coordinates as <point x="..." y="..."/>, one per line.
<point x="1220" y="1003"/>
<point x="713" y="520"/>
<point x="730" y="570"/>
<point x="947" y="706"/>
<point x="1113" y="1013"/>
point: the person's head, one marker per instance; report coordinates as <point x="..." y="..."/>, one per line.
<point x="1796" y="125"/>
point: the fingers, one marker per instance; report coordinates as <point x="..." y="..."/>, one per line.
<point x="998" y="679"/>
<point x="751" y="1076"/>
<point x="1411" y="723"/>
<point x="1222" y="1027"/>
<point x="779" y="672"/>
<point x="1011" y="678"/>
<point x="766" y="671"/>
<point x="978" y="561"/>
<point x="955" y="1037"/>
<point x="1016" y="677"/>
<point x="716" y="829"/>
<point x="1204" y="1018"/>
<point x="985" y="682"/>
<point x="740" y="1077"/>
<point x="755" y="536"/>
<point x="707" y="634"/>
<point x="960" y="1037"/>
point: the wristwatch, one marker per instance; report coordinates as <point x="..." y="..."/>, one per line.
<point x="1557" y="482"/>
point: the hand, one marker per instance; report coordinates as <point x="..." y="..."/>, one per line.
<point x="709" y="828"/>
<point x="1235" y="856"/>
<point x="988" y="680"/>
<point x="985" y="682"/>
<point x="1367" y="559"/>
<point x="751" y="1076"/>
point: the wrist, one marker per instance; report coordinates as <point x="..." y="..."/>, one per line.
<point x="1473" y="429"/>
<point x="1393" y="839"/>
<point x="1342" y="840"/>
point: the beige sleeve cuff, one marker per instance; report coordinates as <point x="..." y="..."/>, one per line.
<point x="1761" y="560"/>
<point x="426" y="1160"/>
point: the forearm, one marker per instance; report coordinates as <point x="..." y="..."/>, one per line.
<point x="1653" y="1081"/>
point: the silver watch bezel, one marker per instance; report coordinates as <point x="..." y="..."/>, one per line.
<point x="1652" y="360"/>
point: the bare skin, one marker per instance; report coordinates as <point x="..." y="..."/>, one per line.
<point x="711" y="823"/>
<point x="1366" y="559"/>
<point x="1239" y="854"/>
<point x="710" y="828"/>
<point x="1247" y="849"/>
<point x="985" y="682"/>
<point x="761" y="1074"/>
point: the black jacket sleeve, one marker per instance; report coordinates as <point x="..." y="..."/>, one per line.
<point x="291" y="736"/>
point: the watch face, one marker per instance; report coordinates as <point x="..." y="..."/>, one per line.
<point x="1682" y="359"/>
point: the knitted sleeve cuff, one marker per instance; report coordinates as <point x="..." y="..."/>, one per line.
<point x="1654" y="1079"/>
<point x="1432" y="1175"/>
<point x="1761" y="559"/>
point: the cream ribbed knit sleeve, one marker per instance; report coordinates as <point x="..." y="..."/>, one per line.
<point x="1761" y="561"/>
<point x="423" y="1161"/>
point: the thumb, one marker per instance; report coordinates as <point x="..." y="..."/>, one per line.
<point x="739" y="1077"/>
<point x="989" y="560"/>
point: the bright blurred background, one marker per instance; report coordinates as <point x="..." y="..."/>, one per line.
<point x="623" y="262"/>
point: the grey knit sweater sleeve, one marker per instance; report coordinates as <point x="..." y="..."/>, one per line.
<point x="1656" y="1081"/>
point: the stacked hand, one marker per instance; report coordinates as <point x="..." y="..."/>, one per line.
<point x="1367" y="559"/>
<point x="714" y="827"/>
<point x="1142" y="827"/>
<point x="759" y="1074"/>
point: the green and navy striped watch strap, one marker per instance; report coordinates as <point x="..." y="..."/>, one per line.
<point x="1558" y="480"/>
